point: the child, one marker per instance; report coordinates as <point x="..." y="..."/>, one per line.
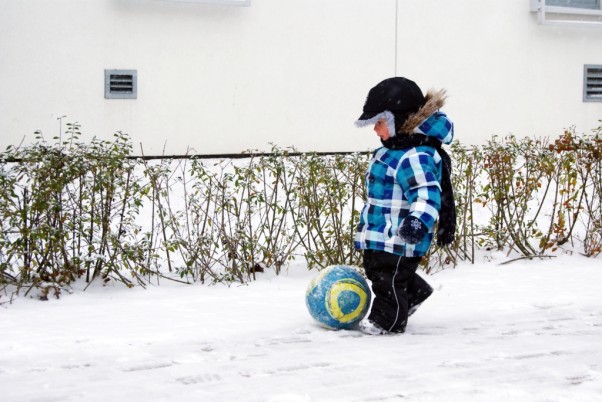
<point x="409" y="190"/>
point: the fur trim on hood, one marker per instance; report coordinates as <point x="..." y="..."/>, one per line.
<point x="434" y="101"/>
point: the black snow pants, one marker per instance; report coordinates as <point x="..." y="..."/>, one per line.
<point x="396" y="286"/>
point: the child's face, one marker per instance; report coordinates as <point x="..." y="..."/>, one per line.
<point x="381" y="129"/>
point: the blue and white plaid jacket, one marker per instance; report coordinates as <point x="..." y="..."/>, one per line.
<point x="401" y="183"/>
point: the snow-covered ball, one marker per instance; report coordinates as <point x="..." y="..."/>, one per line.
<point x="339" y="297"/>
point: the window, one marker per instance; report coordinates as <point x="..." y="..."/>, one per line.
<point x="121" y="84"/>
<point x="568" y="12"/>
<point x="589" y="4"/>
<point x="592" y="83"/>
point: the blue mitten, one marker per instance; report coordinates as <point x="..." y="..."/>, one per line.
<point x="412" y="230"/>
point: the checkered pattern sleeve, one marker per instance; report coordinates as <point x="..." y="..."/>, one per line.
<point x="419" y="179"/>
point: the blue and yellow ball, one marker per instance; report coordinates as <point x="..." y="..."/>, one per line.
<point x="339" y="297"/>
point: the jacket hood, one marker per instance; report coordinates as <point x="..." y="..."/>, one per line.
<point x="428" y="120"/>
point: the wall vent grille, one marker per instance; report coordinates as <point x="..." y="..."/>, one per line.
<point x="592" y="83"/>
<point x="121" y="84"/>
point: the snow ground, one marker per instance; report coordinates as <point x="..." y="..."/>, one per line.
<point x="528" y="331"/>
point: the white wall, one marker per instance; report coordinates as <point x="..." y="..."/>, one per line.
<point x="222" y="79"/>
<point x="505" y="73"/>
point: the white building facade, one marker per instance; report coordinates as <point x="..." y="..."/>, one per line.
<point x="227" y="76"/>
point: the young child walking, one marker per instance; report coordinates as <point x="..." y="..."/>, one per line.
<point x="409" y="194"/>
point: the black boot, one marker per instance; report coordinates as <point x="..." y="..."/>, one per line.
<point x="418" y="291"/>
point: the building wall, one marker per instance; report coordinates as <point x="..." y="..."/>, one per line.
<point x="505" y="73"/>
<point x="221" y="79"/>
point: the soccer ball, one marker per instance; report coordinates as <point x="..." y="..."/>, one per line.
<point x="339" y="297"/>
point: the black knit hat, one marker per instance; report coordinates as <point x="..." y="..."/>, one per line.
<point x="397" y="95"/>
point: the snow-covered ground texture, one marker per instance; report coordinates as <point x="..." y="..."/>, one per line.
<point x="526" y="331"/>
